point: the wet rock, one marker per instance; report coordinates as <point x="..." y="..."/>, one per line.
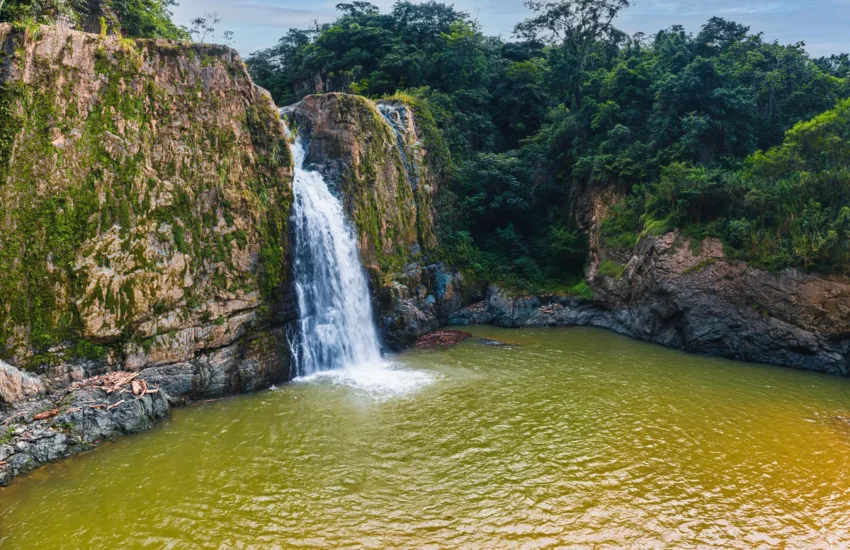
<point x="441" y="339"/>
<point x="88" y="415"/>
<point x="700" y="303"/>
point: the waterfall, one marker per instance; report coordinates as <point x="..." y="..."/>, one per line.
<point x="337" y="330"/>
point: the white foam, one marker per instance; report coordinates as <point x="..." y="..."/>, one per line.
<point x="380" y="380"/>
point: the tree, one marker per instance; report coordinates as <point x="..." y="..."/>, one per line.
<point x="205" y="26"/>
<point x="576" y="25"/>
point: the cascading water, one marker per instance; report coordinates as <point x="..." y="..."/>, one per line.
<point x="337" y="330"/>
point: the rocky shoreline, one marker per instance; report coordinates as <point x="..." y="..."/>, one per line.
<point x="699" y="302"/>
<point x="39" y="426"/>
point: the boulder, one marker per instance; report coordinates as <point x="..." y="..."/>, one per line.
<point x="17" y="386"/>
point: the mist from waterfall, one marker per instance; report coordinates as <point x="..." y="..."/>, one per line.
<point x="337" y="328"/>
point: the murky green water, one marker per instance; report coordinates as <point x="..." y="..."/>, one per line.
<point x="578" y="438"/>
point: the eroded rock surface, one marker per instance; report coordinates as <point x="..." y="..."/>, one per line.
<point x="145" y="190"/>
<point x="374" y="157"/>
<point x="158" y="226"/>
<point x="16" y="385"/>
<point x="700" y="302"/>
<point x="74" y="419"/>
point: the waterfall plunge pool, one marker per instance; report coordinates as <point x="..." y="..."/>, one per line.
<point x="574" y="438"/>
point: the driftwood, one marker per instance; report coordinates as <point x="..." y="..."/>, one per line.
<point x="46" y="414"/>
<point x="119" y="380"/>
<point x="115" y="405"/>
<point x="139" y="387"/>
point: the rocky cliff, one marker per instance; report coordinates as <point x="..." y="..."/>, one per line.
<point x="689" y="295"/>
<point x="378" y="160"/>
<point x="144" y="198"/>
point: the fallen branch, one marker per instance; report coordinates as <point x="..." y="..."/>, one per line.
<point x="46" y="414"/>
<point x="119" y="382"/>
<point x="114" y="405"/>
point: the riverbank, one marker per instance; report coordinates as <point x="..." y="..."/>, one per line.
<point x="45" y="426"/>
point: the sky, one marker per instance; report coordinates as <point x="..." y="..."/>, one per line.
<point x="824" y="25"/>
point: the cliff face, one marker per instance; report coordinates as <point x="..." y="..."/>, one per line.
<point x="376" y="159"/>
<point x="145" y="189"/>
<point x="689" y="296"/>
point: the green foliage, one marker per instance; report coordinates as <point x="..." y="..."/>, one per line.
<point x="610" y="268"/>
<point x="576" y="107"/>
<point x="580" y="290"/>
<point x="83" y="349"/>
<point x="130" y="18"/>
<point x="7" y="434"/>
<point x="788" y="206"/>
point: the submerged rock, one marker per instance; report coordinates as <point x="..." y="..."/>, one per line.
<point x="495" y="343"/>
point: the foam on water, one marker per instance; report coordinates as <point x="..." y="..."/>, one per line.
<point x="379" y="380"/>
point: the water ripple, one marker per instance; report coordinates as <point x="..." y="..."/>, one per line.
<point x="571" y="439"/>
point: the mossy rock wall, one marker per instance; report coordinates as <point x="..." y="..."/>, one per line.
<point x="356" y="149"/>
<point x="145" y="189"/>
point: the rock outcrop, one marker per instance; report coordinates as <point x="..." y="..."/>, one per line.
<point x="145" y="189"/>
<point x="73" y="419"/>
<point x="376" y="158"/>
<point x="17" y="386"/>
<point x="694" y="299"/>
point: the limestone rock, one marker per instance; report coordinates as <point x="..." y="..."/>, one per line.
<point x="16" y="386"/>
<point x="150" y="223"/>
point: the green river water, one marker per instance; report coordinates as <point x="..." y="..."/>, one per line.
<point x="574" y="438"/>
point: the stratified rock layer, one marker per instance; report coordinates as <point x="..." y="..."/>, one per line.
<point x="145" y="189"/>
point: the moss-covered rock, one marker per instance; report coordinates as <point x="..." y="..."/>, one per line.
<point x="357" y="150"/>
<point x="145" y="189"/>
<point x="386" y="160"/>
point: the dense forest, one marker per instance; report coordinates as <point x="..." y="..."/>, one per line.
<point x="719" y="133"/>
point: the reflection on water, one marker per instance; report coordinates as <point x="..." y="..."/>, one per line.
<point x="574" y="438"/>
